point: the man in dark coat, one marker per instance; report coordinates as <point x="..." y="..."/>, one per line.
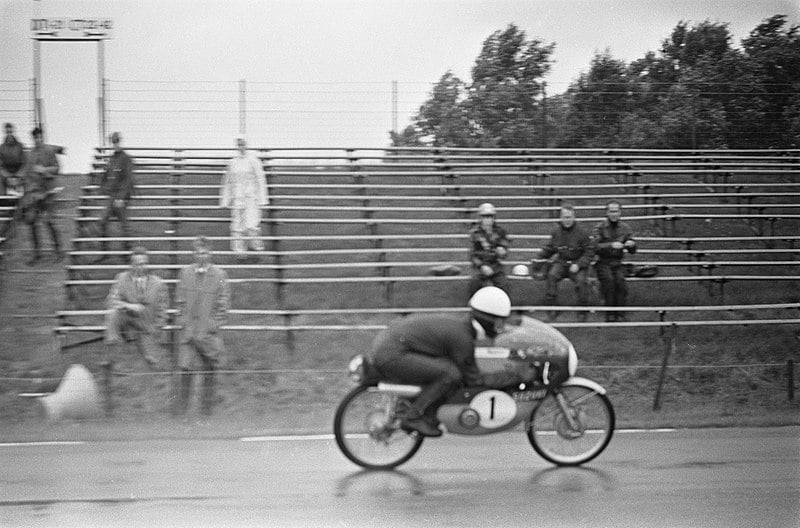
<point x="488" y="246"/>
<point x="12" y="163"/>
<point x="610" y="239"/>
<point x="570" y="254"/>
<point x="118" y="184"/>
<point x="40" y="189"/>
<point x="438" y="352"/>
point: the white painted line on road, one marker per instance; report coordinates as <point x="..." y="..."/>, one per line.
<point x="288" y="438"/>
<point x="293" y="438"/>
<point x="280" y="438"/>
<point x="662" y="430"/>
<point x="53" y="443"/>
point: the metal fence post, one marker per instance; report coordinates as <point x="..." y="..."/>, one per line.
<point x="106" y="367"/>
<point x="670" y="349"/>
<point x="243" y="107"/>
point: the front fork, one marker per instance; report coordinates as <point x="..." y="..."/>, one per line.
<point x="566" y="410"/>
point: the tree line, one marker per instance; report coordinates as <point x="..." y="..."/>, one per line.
<point x="696" y="91"/>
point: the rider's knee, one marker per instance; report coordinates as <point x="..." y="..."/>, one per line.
<point x="451" y="374"/>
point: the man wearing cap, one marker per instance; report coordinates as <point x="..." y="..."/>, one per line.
<point x="12" y="163"/>
<point x="118" y="184"/>
<point x="244" y="191"/>
<point x="488" y="245"/>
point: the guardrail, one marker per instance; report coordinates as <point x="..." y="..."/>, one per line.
<point x="668" y="329"/>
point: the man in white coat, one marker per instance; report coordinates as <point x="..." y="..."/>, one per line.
<point x="244" y="191"/>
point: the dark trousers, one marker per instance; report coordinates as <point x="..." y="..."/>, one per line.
<point x="121" y="214"/>
<point x="560" y="270"/>
<point x="185" y="388"/>
<point x="478" y="281"/>
<point x="41" y="209"/>
<point x="437" y="375"/>
<point x="613" y="287"/>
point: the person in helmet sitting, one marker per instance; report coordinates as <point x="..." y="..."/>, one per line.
<point x="488" y="246"/>
<point x="437" y="351"/>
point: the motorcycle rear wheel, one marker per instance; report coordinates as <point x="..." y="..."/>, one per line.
<point x="573" y="442"/>
<point x="367" y="430"/>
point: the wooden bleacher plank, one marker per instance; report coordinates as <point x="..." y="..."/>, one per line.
<point x="673" y="182"/>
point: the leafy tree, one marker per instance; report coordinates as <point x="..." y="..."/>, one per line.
<point x="599" y="101"/>
<point x="772" y="55"/>
<point x="409" y="137"/>
<point x="695" y="91"/>
<point x="501" y="107"/>
<point x="507" y="82"/>
<point x="443" y="120"/>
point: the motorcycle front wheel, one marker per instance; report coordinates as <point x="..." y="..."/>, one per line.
<point x="571" y="426"/>
<point x="368" y="431"/>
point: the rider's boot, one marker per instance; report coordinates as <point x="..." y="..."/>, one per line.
<point x="416" y="421"/>
<point x="416" y="418"/>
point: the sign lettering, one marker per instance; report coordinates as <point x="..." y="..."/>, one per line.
<point x="71" y="28"/>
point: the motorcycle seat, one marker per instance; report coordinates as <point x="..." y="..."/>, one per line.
<point x="406" y="391"/>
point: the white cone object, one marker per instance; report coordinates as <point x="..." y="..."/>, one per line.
<point x="77" y="396"/>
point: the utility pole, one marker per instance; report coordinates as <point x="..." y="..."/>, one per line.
<point x="101" y="91"/>
<point x="394" y="106"/>
<point x="242" y="107"/>
<point x="544" y="115"/>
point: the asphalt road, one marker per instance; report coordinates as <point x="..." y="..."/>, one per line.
<point x="692" y="478"/>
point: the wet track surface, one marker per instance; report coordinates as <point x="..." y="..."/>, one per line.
<point x="704" y="477"/>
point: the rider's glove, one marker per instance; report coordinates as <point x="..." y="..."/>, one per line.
<point x="519" y="373"/>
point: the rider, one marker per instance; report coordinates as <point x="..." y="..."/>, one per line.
<point x="438" y="352"/>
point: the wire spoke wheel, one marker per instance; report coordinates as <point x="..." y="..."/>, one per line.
<point x="368" y="433"/>
<point x="576" y="436"/>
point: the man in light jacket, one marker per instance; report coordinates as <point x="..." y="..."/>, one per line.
<point x="244" y="191"/>
<point x="137" y="311"/>
<point x="202" y="299"/>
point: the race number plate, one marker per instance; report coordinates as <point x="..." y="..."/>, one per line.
<point x="495" y="408"/>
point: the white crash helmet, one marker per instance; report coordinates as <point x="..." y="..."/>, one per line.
<point x="486" y="209"/>
<point x="490" y="308"/>
<point x="491" y="300"/>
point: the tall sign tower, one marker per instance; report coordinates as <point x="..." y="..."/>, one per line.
<point x="71" y="30"/>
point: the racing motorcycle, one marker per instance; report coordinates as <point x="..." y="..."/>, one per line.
<point x="568" y="420"/>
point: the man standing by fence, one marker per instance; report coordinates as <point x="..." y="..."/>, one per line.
<point x="202" y="299"/>
<point x="244" y="191"/>
<point x="118" y="184"/>
<point x="610" y="239"/>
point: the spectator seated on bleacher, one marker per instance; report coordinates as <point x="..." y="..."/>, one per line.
<point x="610" y="239"/>
<point x="488" y="245"/>
<point x="570" y="254"/>
<point x="137" y="305"/>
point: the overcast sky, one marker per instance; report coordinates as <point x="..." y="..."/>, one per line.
<point x="319" y="73"/>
